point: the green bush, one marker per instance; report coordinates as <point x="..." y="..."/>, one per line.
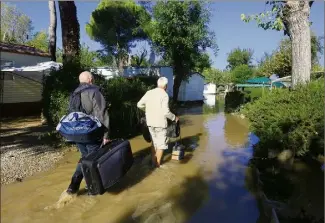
<point x="56" y="89"/>
<point x="294" y="120"/>
<point x="256" y="93"/>
<point x="241" y="74"/>
<point x="121" y="94"/>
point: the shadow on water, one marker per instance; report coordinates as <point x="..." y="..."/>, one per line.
<point x="296" y="193"/>
<point x="299" y="190"/>
<point x="178" y="204"/>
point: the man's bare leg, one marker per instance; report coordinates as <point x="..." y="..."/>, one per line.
<point x="153" y="155"/>
<point x="159" y="155"/>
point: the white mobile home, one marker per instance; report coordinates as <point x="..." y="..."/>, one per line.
<point x="22" y="88"/>
<point x="159" y="71"/>
<point x="15" y="55"/>
<point x="210" y="88"/>
<point x="107" y="72"/>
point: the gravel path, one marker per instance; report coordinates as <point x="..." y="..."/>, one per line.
<point x="24" y="152"/>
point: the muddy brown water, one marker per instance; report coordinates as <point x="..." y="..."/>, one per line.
<point x="207" y="186"/>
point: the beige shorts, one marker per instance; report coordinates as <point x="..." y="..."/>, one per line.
<point x="159" y="137"/>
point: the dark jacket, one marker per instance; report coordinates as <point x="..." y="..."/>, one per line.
<point x="94" y="104"/>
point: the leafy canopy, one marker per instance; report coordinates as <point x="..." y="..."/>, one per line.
<point x="217" y="76"/>
<point x="88" y="58"/>
<point x="117" y="24"/>
<point x="280" y="61"/>
<point x="16" y="27"/>
<point x="239" y="57"/>
<point x="202" y="62"/>
<point x="270" y="19"/>
<point x="39" y="41"/>
<point x="180" y="32"/>
<point x="241" y="74"/>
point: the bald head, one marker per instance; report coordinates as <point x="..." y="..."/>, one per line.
<point x="86" y="77"/>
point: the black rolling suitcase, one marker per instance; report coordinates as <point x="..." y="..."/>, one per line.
<point x="104" y="167"/>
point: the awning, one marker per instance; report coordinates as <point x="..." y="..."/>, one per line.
<point x="38" y="67"/>
<point x="259" y="80"/>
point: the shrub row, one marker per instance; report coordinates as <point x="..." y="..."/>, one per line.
<point x="290" y="119"/>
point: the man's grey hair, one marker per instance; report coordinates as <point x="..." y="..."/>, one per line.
<point x="162" y="82"/>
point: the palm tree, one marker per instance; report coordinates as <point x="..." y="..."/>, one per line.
<point x="70" y="31"/>
<point x="52" y="30"/>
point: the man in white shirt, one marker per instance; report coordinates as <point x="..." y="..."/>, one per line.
<point x="156" y="105"/>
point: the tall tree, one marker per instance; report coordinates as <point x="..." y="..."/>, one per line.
<point x="89" y="59"/>
<point x="180" y="33"/>
<point x="70" y="31"/>
<point x="217" y="76"/>
<point x="52" y="30"/>
<point x="241" y="73"/>
<point x="116" y="25"/>
<point x="202" y="62"/>
<point x="16" y="27"/>
<point x="39" y="41"/>
<point x="293" y="18"/>
<point x="280" y="61"/>
<point x="239" y="57"/>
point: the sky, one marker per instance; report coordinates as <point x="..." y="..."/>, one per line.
<point x="230" y="31"/>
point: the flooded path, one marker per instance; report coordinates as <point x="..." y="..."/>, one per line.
<point x="207" y="186"/>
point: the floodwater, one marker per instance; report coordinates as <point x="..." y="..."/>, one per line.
<point x="209" y="185"/>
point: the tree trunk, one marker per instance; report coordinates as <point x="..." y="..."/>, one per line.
<point x="296" y="19"/>
<point x="120" y="64"/>
<point x="179" y="75"/>
<point x="70" y="31"/>
<point x="180" y="72"/>
<point x="52" y="30"/>
<point x="177" y="84"/>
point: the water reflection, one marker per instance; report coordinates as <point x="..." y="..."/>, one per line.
<point x="210" y="100"/>
<point x="225" y="170"/>
<point x="235" y="130"/>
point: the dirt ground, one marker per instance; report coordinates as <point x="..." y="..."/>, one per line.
<point x="26" y="148"/>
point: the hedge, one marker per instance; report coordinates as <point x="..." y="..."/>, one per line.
<point x="290" y="119"/>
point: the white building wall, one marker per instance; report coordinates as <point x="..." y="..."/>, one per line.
<point x="23" y="59"/>
<point x="210" y="89"/>
<point x="169" y="74"/>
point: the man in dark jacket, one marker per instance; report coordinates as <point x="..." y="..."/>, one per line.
<point x="93" y="102"/>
